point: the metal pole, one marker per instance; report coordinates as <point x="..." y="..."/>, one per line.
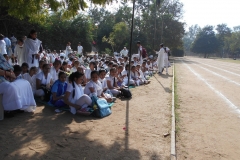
<point x="154" y="38"/>
<point x="162" y="29"/>
<point x="130" y="48"/>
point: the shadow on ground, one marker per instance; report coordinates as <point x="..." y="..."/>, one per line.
<point x="46" y="135"/>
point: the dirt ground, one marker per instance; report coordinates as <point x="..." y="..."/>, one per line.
<point x="134" y="130"/>
<point x="209" y="110"/>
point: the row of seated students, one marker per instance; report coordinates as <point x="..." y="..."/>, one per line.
<point x="62" y="84"/>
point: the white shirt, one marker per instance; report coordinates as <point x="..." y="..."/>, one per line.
<point x="54" y="73"/>
<point x="73" y="69"/>
<point x="110" y="78"/>
<point x="31" y="80"/>
<point x="78" y="92"/>
<point x="97" y="88"/>
<point x="68" y="50"/>
<point x="80" y="49"/>
<point x="88" y="73"/>
<point x="42" y="78"/>
<point x="3" y="47"/>
<point x="124" y="52"/>
<point x="103" y="82"/>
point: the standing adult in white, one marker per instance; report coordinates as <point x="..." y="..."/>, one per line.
<point x="140" y="52"/>
<point x="124" y="52"/>
<point x="166" y="49"/>
<point x="31" y="49"/>
<point x="160" y="59"/>
<point x="2" y="45"/>
<point x="18" y="51"/>
<point x="80" y="48"/>
<point x="68" y="49"/>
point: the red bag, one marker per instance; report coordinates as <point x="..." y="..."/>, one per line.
<point x="144" y="52"/>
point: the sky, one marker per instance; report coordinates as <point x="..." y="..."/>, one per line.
<point x="211" y="12"/>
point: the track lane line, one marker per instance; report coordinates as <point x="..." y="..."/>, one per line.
<point x="230" y="104"/>
<point x="219" y="75"/>
<point x="220" y="69"/>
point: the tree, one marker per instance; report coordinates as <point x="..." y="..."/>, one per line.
<point x="222" y="32"/>
<point x="118" y="37"/>
<point x="39" y="10"/>
<point x="190" y="36"/>
<point x="205" y="42"/>
<point x="232" y="43"/>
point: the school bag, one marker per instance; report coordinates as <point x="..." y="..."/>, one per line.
<point x="125" y="93"/>
<point x="144" y="52"/>
<point x="101" y="107"/>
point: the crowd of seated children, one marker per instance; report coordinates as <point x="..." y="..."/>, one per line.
<point x="68" y="81"/>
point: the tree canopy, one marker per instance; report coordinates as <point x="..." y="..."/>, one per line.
<point x="205" y="42"/>
<point x="60" y="21"/>
<point x="39" y="10"/>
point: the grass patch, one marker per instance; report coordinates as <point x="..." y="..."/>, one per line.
<point x="176" y="103"/>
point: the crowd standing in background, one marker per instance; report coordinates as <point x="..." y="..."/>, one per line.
<point x="69" y="78"/>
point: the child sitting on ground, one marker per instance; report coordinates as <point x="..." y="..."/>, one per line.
<point x="135" y="76"/>
<point x="112" y="82"/>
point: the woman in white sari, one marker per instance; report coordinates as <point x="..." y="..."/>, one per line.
<point x="17" y="94"/>
<point x="31" y="49"/>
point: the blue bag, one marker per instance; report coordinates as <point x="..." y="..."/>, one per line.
<point x="102" y="108"/>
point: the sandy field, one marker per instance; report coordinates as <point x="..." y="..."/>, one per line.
<point x="134" y="130"/>
<point x="209" y="109"/>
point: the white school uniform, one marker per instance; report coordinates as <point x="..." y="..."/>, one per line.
<point x="44" y="81"/>
<point x="54" y="73"/>
<point x="97" y="88"/>
<point x="31" y="80"/>
<point x="88" y="73"/>
<point x="73" y="69"/>
<point x="115" y="92"/>
<point x="125" y="79"/>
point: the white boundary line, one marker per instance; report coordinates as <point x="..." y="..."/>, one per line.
<point x="173" y="132"/>
<point x="218" y="75"/>
<point x="237" y="110"/>
<point x="220" y="69"/>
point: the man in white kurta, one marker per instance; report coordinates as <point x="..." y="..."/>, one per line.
<point x="30" y="51"/>
<point x="160" y="60"/>
<point x="124" y="52"/>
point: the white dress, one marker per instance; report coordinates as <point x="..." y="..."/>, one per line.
<point x="31" y="80"/>
<point x="68" y="50"/>
<point x="54" y="74"/>
<point x="97" y="87"/>
<point x="17" y="95"/>
<point x="80" y="48"/>
<point x="30" y="48"/>
<point x="160" y="60"/>
<point x="3" y="47"/>
<point x="18" y="52"/>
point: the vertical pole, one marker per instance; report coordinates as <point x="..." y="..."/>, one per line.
<point x="162" y="30"/>
<point x="130" y="48"/>
<point x="154" y="38"/>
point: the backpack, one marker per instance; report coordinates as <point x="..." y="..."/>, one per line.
<point x="144" y="52"/>
<point x="125" y="93"/>
<point x="102" y="107"/>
